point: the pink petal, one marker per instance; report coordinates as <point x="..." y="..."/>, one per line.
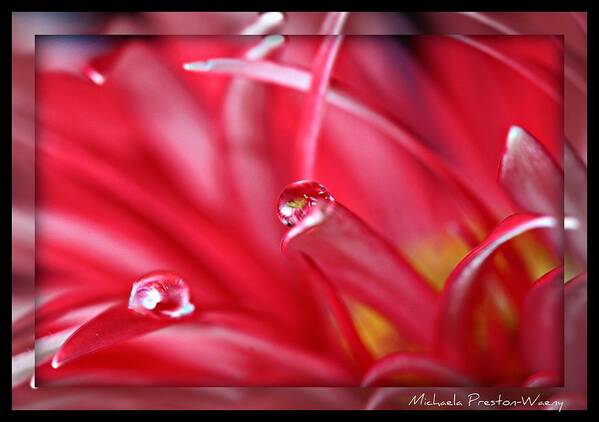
<point x="541" y="333"/>
<point x="287" y="76"/>
<point x="342" y="316"/>
<point x="169" y="398"/>
<point x="543" y="380"/>
<point x="402" y="364"/>
<point x="464" y="289"/>
<point x="311" y="118"/>
<point x="575" y="204"/>
<point x="575" y="333"/>
<point x="112" y="326"/>
<point x="487" y="48"/>
<point x="530" y="175"/>
<point x="225" y="349"/>
<point x="333" y="23"/>
<point x="72" y="300"/>
<point x="99" y="67"/>
<point x="244" y="109"/>
<point x="176" y="128"/>
<point x="533" y="179"/>
<point x="363" y="265"/>
<point x="476" y="138"/>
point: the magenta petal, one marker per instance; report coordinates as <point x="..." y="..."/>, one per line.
<point x="575" y="333"/>
<point x="363" y="265"/>
<point x="575" y="203"/>
<point x="464" y="289"/>
<point x="541" y="333"/>
<point x="114" y="325"/>
<point x="402" y="364"/>
<point x="530" y="175"/>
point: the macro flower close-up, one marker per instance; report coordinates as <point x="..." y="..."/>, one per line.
<point x="307" y="200"/>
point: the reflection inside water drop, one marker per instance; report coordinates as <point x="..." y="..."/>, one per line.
<point x="161" y="294"/>
<point x="301" y="198"/>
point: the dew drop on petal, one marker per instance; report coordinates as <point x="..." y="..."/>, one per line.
<point x="300" y="199"/>
<point x="161" y="294"/>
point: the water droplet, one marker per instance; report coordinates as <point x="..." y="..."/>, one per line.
<point x="161" y="294"/>
<point x="300" y="199"/>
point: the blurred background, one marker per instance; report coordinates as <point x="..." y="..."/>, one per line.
<point x="99" y="59"/>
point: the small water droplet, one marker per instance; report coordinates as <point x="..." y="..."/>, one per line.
<point x="161" y="294"/>
<point x="301" y="198"/>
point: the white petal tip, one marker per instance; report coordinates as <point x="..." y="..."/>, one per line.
<point x="272" y="18"/>
<point x="514" y="135"/>
<point x="202" y="66"/>
<point x="96" y="77"/>
<point x="274" y="40"/>
<point x="55" y="364"/>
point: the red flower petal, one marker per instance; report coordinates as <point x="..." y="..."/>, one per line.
<point x="404" y="364"/>
<point x="99" y="67"/>
<point x="71" y="300"/>
<point x="342" y="316"/>
<point x="311" y="118"/>
<point x="541" y="334"/>
<point x="485" y="47"/>
<point x="114" y="325"/>
<point x="297" y="79"/>
<point x="228" y="348"/>
<point x="362" y="264"/>
<point x="464" y="290"/>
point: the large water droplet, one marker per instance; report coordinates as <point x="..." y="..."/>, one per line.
<point x="300" y="199"/>
<point x="161" y="294"/>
